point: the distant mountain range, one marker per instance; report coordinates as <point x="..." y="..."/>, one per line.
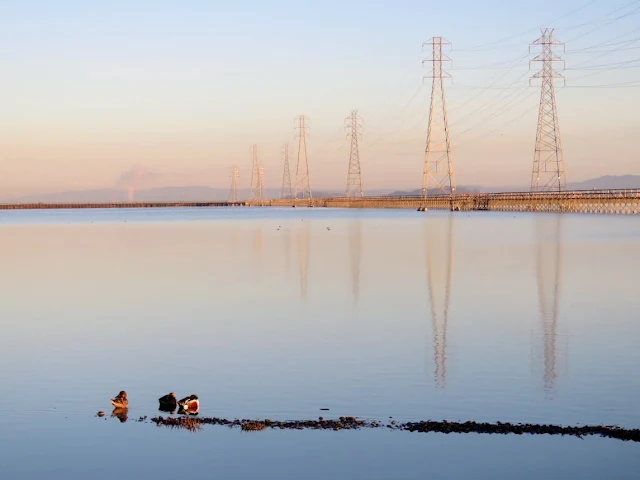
<point x="193" y="193"/>
<point x="607" y="182"/>
<point x="203" y="193"/>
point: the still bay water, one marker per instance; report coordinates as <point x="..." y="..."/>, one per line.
<point x="278" y="313"/>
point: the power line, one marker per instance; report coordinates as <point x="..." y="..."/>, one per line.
<point x="526" y="32"/>
<point x="608" y="43"/>
<point x="631" y="84"/>
<point x="493" y="99"/>
<point x="610" y="66"/>
<point x="500" y="127"/>
<point x="600" y="56"/>
<point x="523" y="96"/>
<point x="620" y="17"/>
<point x="493" y="82"/>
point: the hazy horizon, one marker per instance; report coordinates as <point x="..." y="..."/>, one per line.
<point x="106" y="95"/>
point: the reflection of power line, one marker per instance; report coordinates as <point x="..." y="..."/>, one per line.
<point x="355" y="251"/>
<point x="234" y="237"/>
<point x="303" y="258"/>
<point x="439" y="255"/>
<point x="548" y="270"/>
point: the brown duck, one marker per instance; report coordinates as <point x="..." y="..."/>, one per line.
<point x="121" y="400"/>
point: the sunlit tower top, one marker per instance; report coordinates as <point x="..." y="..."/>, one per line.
<point x="548" y="172"/>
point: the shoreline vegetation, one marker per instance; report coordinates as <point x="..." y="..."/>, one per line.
<point x="194" y="423"/>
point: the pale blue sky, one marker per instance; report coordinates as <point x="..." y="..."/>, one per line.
<point x="90" y="89"/>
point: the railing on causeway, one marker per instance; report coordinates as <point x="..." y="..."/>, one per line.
<point x="619" y="201"/>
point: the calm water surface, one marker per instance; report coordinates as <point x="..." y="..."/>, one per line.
<point x="280" y="312"/>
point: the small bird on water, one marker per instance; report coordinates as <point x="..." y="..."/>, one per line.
<point x="121" y="400"/>
<point x="168" y="403"/>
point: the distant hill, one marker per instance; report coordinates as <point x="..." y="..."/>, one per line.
<point x="607" y="182"/>
<point x="195" y="193"/>
<point x="459" y="189"/>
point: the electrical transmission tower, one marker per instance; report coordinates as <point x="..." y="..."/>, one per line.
<point x="303" y="176"/>
<point x="233" y="194"/>
<point x="354" y="132"/>
<point x="438" y="173"/>
<point x="256" y="176"/>
<point x="286" y="174"/>
<point x="548" y="165"/>
<point x="261" y="184"/>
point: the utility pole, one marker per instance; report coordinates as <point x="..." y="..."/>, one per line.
<point x="438" y="174"/>
<point x="303" y="176"/>
<point x="354" y="177"/>
<point x="548" y="165"/>
<point x="286" y="174"/>
<point x="233" y="194"/>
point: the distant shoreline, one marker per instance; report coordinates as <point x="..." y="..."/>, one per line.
<point x="55" y="206"/>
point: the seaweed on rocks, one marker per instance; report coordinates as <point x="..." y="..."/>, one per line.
<point x="501" y="428"/>
<point x="443" y="426"/>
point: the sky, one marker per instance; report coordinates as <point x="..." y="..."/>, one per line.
<point x="93" y="91"/>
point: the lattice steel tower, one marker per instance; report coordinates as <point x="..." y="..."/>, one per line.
<point x="548" y="165"/>
<point x="303" y="177"/>
<point x="438" y="174"/>
<point x="233" y="194"/>
<point x="354" y="133"/>
<point x="256" y="176"/>
<point x="286" y="191"/>
<point x="261" y="184"/>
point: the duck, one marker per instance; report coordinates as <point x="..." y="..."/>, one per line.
<point x="190" y="404"/>
<point x="168" y="403"/>
<point x="121" y="400"/>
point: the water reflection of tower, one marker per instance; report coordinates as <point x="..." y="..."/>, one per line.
<point x="287" y="249"/>
<point x="258" y="242"/>
<point x="303" y="257"/>
<point x="548" y="274"/>
<point x="439" y="256"/>
<point x="355" y="251"/>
